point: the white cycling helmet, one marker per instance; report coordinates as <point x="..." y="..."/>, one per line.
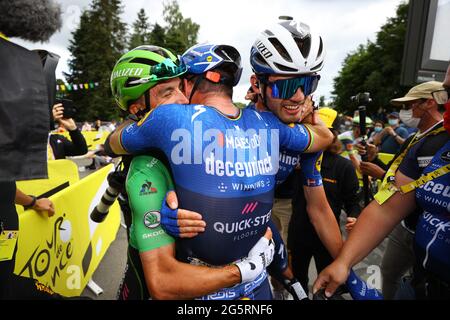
<point x="288" y="47"/>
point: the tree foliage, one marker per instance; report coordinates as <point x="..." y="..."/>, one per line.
<point x="141" y="31"/>
<point x="180" y="33"/>
<point x="97" y="43"/>
<point x="374" y="67"/>
<point x="100" y="40"/>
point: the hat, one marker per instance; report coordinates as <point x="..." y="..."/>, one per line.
<point x="421" y="91"/>
<point x="393" y="115"/>
<point x="327" y="115"/>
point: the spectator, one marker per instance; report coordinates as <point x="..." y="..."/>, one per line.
<point x="86" y="126"/>
<point x="390" y="207"/>
<point x="112" y="126"/>
<point x="97" y="125"/>
<point x="62" y="147"/>
<point x="377" y="128"/>
<point x="392" y="137"/>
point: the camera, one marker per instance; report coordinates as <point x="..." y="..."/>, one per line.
<point x="69" y="109"/>
<point x="362" y="98"/>
<point x="116" y="183"/>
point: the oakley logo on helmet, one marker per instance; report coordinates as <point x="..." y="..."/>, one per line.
<point x="263" y="50"/>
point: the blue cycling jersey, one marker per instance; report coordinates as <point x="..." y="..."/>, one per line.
<point x="223" y="168"/>
<point x="309" y="163"/>
<point x="433" y="229"/>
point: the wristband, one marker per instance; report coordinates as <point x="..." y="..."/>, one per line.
<point x="31" y="205"/>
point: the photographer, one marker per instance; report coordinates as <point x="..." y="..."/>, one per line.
<point x="62" y="147"/>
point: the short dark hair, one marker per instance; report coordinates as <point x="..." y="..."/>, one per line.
<point x="207" y="86"/>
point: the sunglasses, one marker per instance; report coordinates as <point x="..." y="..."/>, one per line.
<point x="163" y="71"/>
<point x="286" y="88"/>
<point x="441" y="96"/>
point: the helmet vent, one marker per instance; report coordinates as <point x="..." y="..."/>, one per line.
<point x="281" y="49"/>
<point x="317" y="67"/>
<point x="304" y="45"/>
<point x="284" y="68"/>
<point x="319" y="53"/>
<point x="269" y="33"/>
<point x="128" y="84"/>
<point x="155" y="49"/>
<point x="143" y="61"/>
<point x="260" y="60"/>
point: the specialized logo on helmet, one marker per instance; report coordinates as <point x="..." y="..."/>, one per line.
<point x="263" y="50"/>
<point x="209" y="58"/>
<point x="127" y="72"/>
<point x="152" y="219"/>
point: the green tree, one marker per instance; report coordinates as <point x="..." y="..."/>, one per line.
<point x="374" y="67"/>
<point x="322" y="101"/>
<point x="141" y="31"/>
<point x="157" y="36"/>
<point x="180" y="33"/>
<point x="97" y="43"/>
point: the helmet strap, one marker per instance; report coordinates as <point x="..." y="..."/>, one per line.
<point x="262" y="91"/>
<point x="194" y="88"/>
<point x="141" y="113"/>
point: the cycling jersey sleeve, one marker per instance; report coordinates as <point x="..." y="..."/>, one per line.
<point x="147" y="183"/>
<point x="310" y="164"/>
<point x="294" y="136"/>
<point x="154" y="129"/>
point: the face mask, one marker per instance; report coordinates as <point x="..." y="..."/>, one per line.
<point x="393" y="122"/>
<point x="348" y="123"/>
<point x="377" y="129"/>
<point x="447" y="116"/>
<point x="407" y="118"/>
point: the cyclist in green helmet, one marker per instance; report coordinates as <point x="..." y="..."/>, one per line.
<point x="142" y="80"/>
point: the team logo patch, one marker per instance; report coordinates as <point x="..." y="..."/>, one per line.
<point x="147" y="188"/>
<point x="445" y="156"/>
<point x="152" y="219"/>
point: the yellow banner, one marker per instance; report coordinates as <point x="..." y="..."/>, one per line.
<point x="60" y="173"/>
<point x="63" y="251"/>
<point x="93" y="138"/>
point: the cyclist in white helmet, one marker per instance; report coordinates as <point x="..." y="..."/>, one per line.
<point x="286" y="59"/>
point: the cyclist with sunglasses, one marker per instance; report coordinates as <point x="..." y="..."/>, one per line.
<point x="286" y="59"/>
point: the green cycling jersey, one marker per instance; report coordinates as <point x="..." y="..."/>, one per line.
<point x="147" y="183"/>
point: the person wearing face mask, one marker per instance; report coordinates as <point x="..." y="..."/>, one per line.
<point x="425" y="103"/>
<point x="377" y="128"/>
<point x="431" y="196"/>
<point x="392" y="137"/>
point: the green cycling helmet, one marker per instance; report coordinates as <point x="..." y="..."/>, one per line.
<point x="139" y="70"/>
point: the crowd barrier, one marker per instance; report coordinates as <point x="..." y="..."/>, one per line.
<point x="64" y="251"/>
<point x="61" y="174"/>
<point x="93" y="138"/>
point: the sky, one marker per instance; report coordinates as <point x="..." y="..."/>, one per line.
<point x="343" y="25"/>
